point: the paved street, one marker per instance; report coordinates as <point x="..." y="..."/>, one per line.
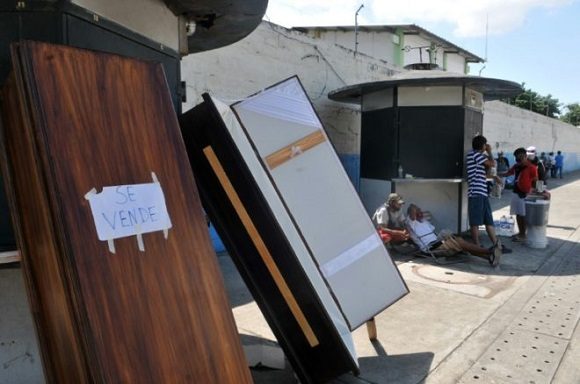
<point x="467" y="322"/>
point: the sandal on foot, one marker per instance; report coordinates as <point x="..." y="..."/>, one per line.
<point x="518" y="239"/>
<point x="496" y="253"/>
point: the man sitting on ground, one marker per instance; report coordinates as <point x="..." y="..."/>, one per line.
<point x="422" y="233"/>
<point x="389" y="220"/>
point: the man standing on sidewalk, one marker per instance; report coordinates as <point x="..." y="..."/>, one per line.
<point x="478" y="159"/>
<point x="526" y="176"/>
<point x="559" y="164"/>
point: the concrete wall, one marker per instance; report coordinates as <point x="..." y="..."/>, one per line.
<point x="272" y="53"/>
<point x="389" y="47"/>
<point x="507" y="127"/>
<point x="376" y="44"/>
<point x="418" y="52"/>
<point x="453" y="62"/>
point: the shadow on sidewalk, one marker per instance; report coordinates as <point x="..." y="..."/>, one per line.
<point x="402" y="369"/>
<point x="520" y="262"/>
<point x="383" y="368"/>
<point x="266" y="375"/>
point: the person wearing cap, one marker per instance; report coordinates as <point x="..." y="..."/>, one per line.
<point x="389" y="219"/>
<point x="478" y="160"/>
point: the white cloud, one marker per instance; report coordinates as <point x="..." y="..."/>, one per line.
<point x="467" y="17"/>
<point x="291" y="13"/>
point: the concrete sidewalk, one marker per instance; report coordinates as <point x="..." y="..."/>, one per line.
<point x="467" y="322"/>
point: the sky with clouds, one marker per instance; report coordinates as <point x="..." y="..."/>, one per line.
<point x="532" y="41"/>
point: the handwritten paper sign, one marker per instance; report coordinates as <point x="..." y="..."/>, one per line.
<point x="129" y="210"/>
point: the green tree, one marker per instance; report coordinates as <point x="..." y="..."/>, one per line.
<point x="530" y="100"/>
<point x="572" y="115"/>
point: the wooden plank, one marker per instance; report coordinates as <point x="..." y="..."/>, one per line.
<point x="77" y="120"/>
<point x="262" y="249"/>
<point x="295" y="149"/>
<point x="372" y="329"/>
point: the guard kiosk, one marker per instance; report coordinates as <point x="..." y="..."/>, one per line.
<point x="416" y="129"/>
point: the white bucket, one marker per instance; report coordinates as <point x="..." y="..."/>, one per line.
<point x="537" y="236"/>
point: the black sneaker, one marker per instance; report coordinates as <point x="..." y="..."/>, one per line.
<point x="505" y="249"/>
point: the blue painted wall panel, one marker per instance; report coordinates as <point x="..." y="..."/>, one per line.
<point x="351" y="164"/>
<point x="216" y="241"/>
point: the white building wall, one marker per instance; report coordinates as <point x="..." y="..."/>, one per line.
<point x="346" y="39"/>
<point x="508" y="127"/>
<point x="415" y="55"/>
<point x="439" y="57"/>
<point x="376" y="44"/>
<point x="273" y="53"/>
<point x="380" y="45"/>
<point x="455" y="63"/>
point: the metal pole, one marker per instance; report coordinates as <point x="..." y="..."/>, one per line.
<point x="356" y="29"/>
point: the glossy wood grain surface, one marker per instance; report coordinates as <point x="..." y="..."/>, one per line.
<point x="159" y="316"/>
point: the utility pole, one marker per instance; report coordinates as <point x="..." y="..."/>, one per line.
<point x="356" y="29"/>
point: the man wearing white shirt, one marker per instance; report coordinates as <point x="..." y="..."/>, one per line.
<point x="422" y="233"/>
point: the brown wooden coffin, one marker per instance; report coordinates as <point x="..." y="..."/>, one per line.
<point x="76" y="120"/>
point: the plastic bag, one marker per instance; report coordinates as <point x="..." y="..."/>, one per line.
<point x="506" y="226"/>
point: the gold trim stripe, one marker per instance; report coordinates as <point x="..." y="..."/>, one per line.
<point x="260" y="246"/>
<point x="296" y="148"/>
